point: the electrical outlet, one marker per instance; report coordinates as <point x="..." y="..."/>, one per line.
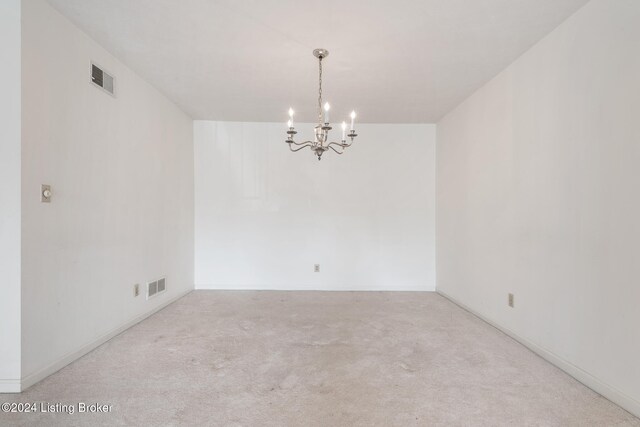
<point x="45" y="193"/>
<point x="511" y="300"/>
<point x="136" y="290"/>
<point x="316" y="268"/>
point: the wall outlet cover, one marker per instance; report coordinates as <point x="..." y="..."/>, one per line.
<point x="45" y="193"/>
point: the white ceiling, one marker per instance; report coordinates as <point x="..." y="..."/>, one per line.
<point x="401" y="61"/>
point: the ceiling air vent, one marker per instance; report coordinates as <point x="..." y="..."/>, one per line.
<point x="102" y="79"/>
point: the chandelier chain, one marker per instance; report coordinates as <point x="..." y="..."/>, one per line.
<point x="320" y="90"/>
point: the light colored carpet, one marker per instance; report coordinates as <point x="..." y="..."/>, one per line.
<point x="318" y="359"/>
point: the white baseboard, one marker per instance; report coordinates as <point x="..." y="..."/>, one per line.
<point x="613" y="394"/>
<point x="38" y="376"/>
<point x="323" y="287"/>
<point x="9" y="386"/>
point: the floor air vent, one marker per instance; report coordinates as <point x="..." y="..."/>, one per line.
<point x="102" y="79"/>
<point x="156" y="287"/>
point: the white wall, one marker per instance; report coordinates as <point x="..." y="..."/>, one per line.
<point x="122" y="211"/>
<point x="10" y="196"/>
<point x="537" y="194"/>
<point x="265" y="215"/>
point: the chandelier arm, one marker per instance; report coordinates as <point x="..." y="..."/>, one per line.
<point x="339" y="144"/>
<point x="339" y="152"/>
<point x="351" y="143"/>
<point x="291" y="141"/>
<point x="304" y="145"/>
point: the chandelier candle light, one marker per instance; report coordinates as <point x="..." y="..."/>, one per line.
<point x="320" y="143"/>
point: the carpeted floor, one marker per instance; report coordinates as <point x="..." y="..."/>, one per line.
<point x="316" y="359"/>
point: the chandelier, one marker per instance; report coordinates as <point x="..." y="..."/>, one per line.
<point x="320" y="143"/>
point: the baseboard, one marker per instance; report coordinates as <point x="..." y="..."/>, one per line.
<point x="9" y="386"/>
<point x="613" y="394"/>
<point x="38" y="376"/>
<point x="315" y="288"/>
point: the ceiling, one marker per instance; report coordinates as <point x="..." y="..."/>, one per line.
<point x="401" y="61"/>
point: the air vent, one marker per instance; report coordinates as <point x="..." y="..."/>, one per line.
<point x="102" y="79"/>
<point x="156" y="287"/>
<point x="152" y="289"/>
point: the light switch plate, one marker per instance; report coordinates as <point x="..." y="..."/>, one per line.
<point x="45" y="193"/>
